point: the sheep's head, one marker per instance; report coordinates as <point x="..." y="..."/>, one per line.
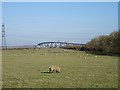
<point x="50" y="69"/>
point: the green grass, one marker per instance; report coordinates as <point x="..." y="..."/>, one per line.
<point x="0" y="69"/>
<point x="23" y="68"/>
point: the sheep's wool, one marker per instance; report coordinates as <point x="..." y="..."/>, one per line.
<point x="54" y="68"/>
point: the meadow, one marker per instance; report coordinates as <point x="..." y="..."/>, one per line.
<point x="28" y="69"/>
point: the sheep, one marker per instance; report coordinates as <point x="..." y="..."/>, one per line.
<point x="96" y="56"/>
<point x="54" y="69"/>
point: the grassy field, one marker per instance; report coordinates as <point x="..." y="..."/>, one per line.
<point x="0" y="69"/>
<point x="28" y="69"/>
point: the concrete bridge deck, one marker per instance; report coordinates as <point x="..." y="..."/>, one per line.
<point x="57" y="44"/>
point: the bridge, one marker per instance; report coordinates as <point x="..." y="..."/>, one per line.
<point x="57" y="44"/>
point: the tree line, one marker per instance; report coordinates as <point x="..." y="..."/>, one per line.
<point x="105" y="44"/>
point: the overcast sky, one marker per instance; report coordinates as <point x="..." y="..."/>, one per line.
<point x="31" y="23"/>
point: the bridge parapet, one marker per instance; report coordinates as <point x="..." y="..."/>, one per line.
<point x="57" y="44"/>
